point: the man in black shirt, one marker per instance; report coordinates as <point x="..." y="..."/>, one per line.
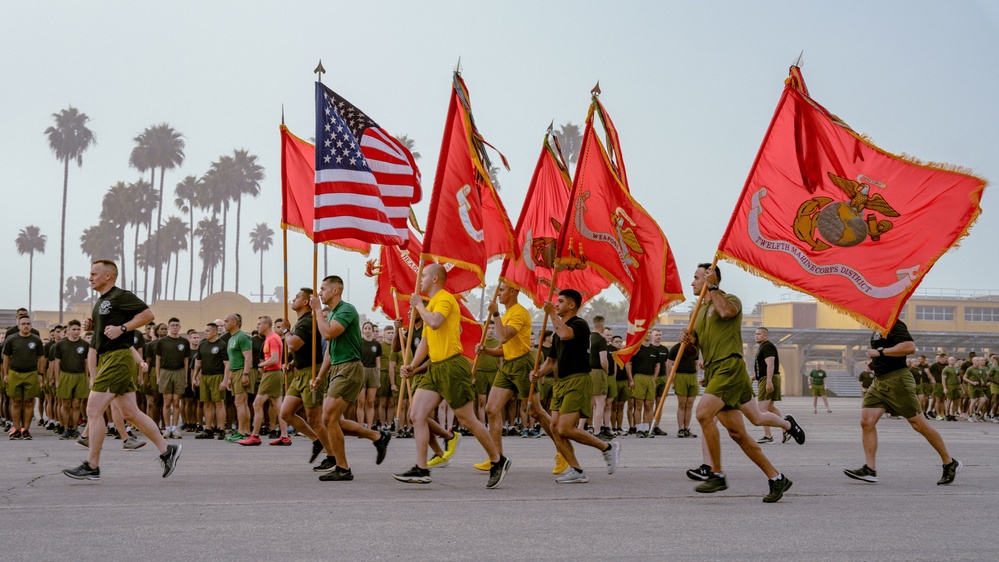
<point x="172" y="354"/>
<point x="662" y="353"/>
<point x="685" y="387"/>
<point x="599" y="358"/>
<point x="643" y="369"/>
<point x="209" y="369"/>
<point x="116" y="313"/>
<point x="894" y="390"/>
<point x="69" y="361"/>
<point x="766" y="371"/>
<point x="23" y="360"/>
<point x="572" y="393"/>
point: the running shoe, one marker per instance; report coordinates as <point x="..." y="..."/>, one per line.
<point x="381" y="446"/>
<point x="415" y="475"/>
<point x="169" y="459"/>
<point x="794" y="432"/>
<point x="950" y="471"/>
<point x="252" y="440"/>
<point x="83" y="472"/>
<point x="66" y="435"/>
<point x="657" y="431"/>
<point x="205" y="435"/>
<point x="14" y="434"/>
<point x="452" y="445"/>
<point x="497" y="472"/>
<point x="687" y="433"/>
<point x="133" y="444"/>
<point x="560" y="464"/>
<point x="573" y="476"/>
<point x="714" y="483"/>
<point x="317" y="448"/>
<point x="220" y="434"/>
<point x="176" y="435"/>
<point x="281" y="441"/>
<point x="863" y="473"/>
<point x="484" y="466"/>
<point x="702" y="473"/>
<point x="83" y="442"/>
<point x="25" y="435"/>
<point x="777" y="489"/>
<point x="328" y="464"/>
<point x="612" y="455"/>
<point x="765" y="439"/>
<point x="236" y="437"/>
<point x="337" y="475"/>
<point x="438" y="462"/>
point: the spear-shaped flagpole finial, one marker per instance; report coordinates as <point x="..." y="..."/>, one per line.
<point x="551" y="127"/>
<point x="596" y="89"/>
<point x="320" y="71"/>
<point x="800" y="60"/>
<point x="457" y="67"/>
<point x="282" y="114"/>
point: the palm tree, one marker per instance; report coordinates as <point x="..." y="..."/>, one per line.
<point x="570" y="139"/>
<point x="249" y="176"/>
<point x="68" y="139"/>
<point x="159" y="146"/>
<point x="29" y="241"/>
<point x="140" y="202"/>
<point x="187" y="192"/>
<point x="103" y="241"/>
<point x="261" y="239"/>
<point x="409" y="144"/>
<point x="174" y="231"/>
<point x="117" y="209"/>
<point x="220" y="183"/>
<point x="210" y="234"/>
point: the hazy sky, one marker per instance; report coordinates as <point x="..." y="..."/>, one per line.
<point x="691" y="87"/>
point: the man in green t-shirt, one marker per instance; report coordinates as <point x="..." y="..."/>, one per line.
<point x="817" y="384"/>
<point x="388" y="389"/>
<point x="994" y="387"/>
<point x="485" y="372"/>
<point x="952" y="388"/>
<point x="237" y="375"/>
<point x="976" y="378"/>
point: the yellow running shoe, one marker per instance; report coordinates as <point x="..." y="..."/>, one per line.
<point x="451" y="446"/>
<point x="437" y="462"/>
<point x="484" y="465"/>
<point x="560" y="464"/>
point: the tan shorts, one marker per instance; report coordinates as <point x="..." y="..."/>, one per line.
<point x="72" y="385"/>
<point x="346" y="380"/>
<point x="271" y="384"/>
<point x="236" y="382"/>
<point x="209" y="390"/>
<point x="761" y="387"/>
<point x="515" y="375"/>
<point x="598" y="378"/>
<point x="894" y="392"/>
<point x="23" y="385"/>
<point x="685" y="385"/>
<point x="572" y="395"/>
<point x="172" y="382"/>
<point x="300" y="387"/>
<point x="372" y="377"/>
<point x="645" y="387"/>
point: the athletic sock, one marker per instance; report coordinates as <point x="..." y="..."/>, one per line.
<point x="778" y="477"/>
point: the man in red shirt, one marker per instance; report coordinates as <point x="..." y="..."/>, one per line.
<point x="271" y="384"/>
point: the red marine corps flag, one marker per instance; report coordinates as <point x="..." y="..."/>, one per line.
<point x="467" y="224"/>
<point x="532" y="265"/>
<point x="829" y="214"/>
<point x="609" y="231"/>
<point x="298" y="191"/>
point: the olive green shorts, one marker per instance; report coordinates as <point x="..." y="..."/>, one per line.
<point x="236" y="382"/>
<point x="660" y="386"/>
<point x="345" y="381"/>
<point x="515" y="375"/>
<point x="894" y="392"/>
<point x="385" y="386"/>
<point x="624" y="391"/>
<point x="545" y="386"/>
<point x="572" y="394"/>
<point x="371" y="377"/>
<point x="761" y="387"/>
<point x="994" y="388"/>
<point x="209" y="390"/>
<point x="255" y="376"/>
<point x="452" y="379"/>
<point x="271" y="383"/>
<point x="484" y="381"/>
<point x="611" y="387"/>
<point x="953" y="392"/>
<point x="818" y="390"/>
<point x="300" y="387"/>
<point x="938" y="390"/>
<point x="598" y="378"/>
<point x="727" y="379"/>
<point x="645" y="387"/>
<point x="72" y="385"/>
<point x="171" y="382"/>
<point x="977" y="392"/>
<point x="923" y="389"/>
<point x="23" y="385"/>
<point x="685" y="384"/>
<point x="116" y="372"/>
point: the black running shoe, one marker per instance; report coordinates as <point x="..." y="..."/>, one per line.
<point x="863" y="473"/>
<point x="205" y="435"/>
<point x="777" y="489"/>
<point x="687" y="433"/>
<point x="497" y="472"/>
<point x="950" y="471"/>
<point x="417" y="475"/>
<point x="381" y="445"/>
<point x="337" y="475"/>
<point x="220" y="434"/>
<point x="700" y="473"/>
<point x="83" y="472"/>
<point x="714" y="483"/>
<point x="25" y="435"/>
<point x="794" y="432"/>
<point x="328" y="464"/>
<point x="657" y="431"/>
<point x="169" y="459"/>
<point x="317" y="447"/>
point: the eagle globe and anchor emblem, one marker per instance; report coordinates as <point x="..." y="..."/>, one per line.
<point x="842" y="223"/>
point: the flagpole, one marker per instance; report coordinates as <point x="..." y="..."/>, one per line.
<point x="284" y="236"/>
<point x="541" y="337"/>
<point x="409" y="333"/>
<point x="315" y="291"/>
<point x="485" y="328"/>
<point x="679" y="352"/>
<point x="404" y="385"/>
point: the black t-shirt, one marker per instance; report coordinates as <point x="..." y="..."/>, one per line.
<point x="663" y="355"/>
<point x="612" y="369"/>
<point x="172" y="352"/>
<point x="917" y="375"/>
<point x="545" y="352"/>
<point x="213" y="356"/>
<point x="138" y="340"/>
<point x="597" y="344"/>
<point x="256" y="350"/>
<point x="303" y="329"/>
<point x="23" y="352"/>
<point x="49" y="345"/>
<point x="688" y="363"/>
<point x="573" y="355"/>
<point x="767" y="349"/>
<point x="371" y="350"/>
<point x="114" y="308"/>
<point x="149" y="353"/>
<point x="898" y="334"/>
<point x="936" y="369"/>
<point x="644" y="361"/>
<point x="72" y="355"/>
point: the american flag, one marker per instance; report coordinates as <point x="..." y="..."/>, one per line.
<point x="365" y="178"/>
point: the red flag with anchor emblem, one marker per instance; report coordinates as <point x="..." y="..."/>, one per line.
<point x="608" y="230"/>
<point x="530" y="269"/>
<point x="829" y="214"/>
<point x="467" y="224"/>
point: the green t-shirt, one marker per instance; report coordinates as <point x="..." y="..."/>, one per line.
<point x="347" y="346"/>
<point x="238" y="343"/>
<point x="717" y="338"/>
<point x="950" y="376"/>
<point x="975" y="374"/>
<point x="488" y="362"/>
<point x="994" y="374"/>
<point x="818" y="377"/>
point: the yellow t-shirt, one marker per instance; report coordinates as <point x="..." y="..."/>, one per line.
<point x="445" y="341"/>
<point x="518" y="318"/>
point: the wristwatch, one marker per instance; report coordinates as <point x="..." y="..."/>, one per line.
<point x="123" y="328"/>
<point x="496" y="314"/>
<point x="712" y="287"/>
<point x="881" y="351"/>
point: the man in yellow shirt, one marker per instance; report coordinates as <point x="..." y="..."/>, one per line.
<point x="449" y="377"/>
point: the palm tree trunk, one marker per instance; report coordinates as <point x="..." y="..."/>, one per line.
<point x="190" y="248"/>
<point x="31" y="279"/>
<point x="176" y="270"/>
<point x="225" y="229"/>
<point x="239" y="211"/>
<point x="166" y="277"/>
<point x="158" y="285"/>
<point x="62" y="239"/>
<point x="121" y="236"/>
<point x="261" y="275"/>
<point x="135" y="259"/>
